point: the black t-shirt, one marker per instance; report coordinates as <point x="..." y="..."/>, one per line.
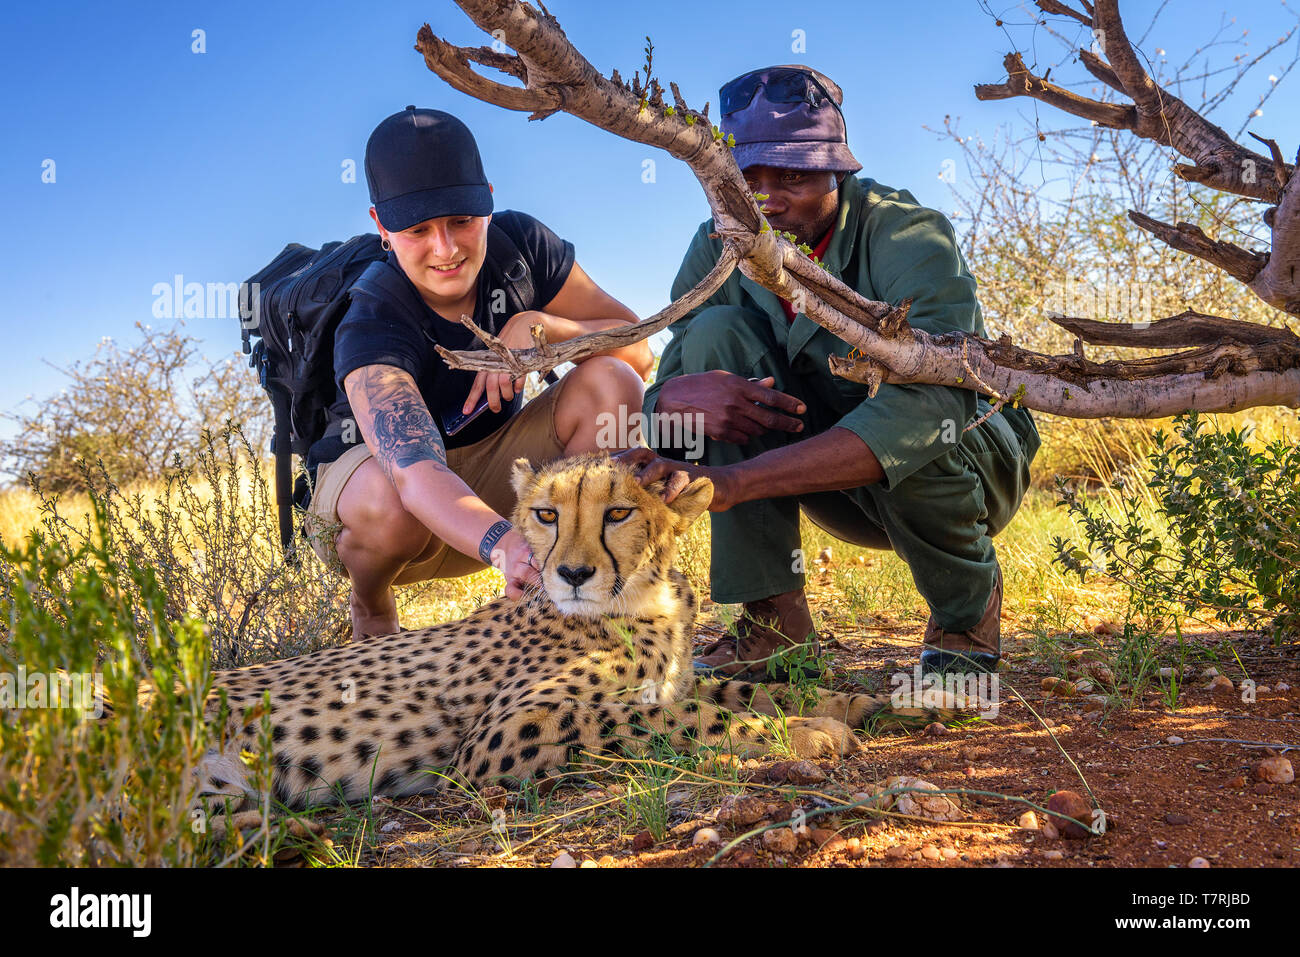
<point x="378" y="332"/>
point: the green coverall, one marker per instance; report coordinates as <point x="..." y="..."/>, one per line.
<point x="945" y="491"/>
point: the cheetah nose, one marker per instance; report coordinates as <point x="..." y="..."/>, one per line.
<point x="575" y="576"/>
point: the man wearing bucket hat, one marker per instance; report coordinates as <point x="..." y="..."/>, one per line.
<point x="894" y="471"/>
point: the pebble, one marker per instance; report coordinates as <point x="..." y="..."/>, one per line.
<point x="706" y="835"/>
<point x="744" y="857"/>
<point x="1238" y="782"/>
<point x="1283" y="686"/>
<point x="1072" y="805"/>
<point x="931" y="853"/>
<point x="1177" y="819"/>
<point x="935" y="729"/>
<point x="1049" y="830"/>
<point x="925" y="764"/>
<point x="821" y="836"/>
<point x="564" y="860"/>
<point x="780" y="840"/>
<point x="1221" y="685"/>
<point x="1058" y="687"/>
<point x="588" y="863"/>
<point x="1053" y="855"/>
<point x="897" y="852"/>
<point x="835" y="845"/>
<point x="1174" y="739"/>
<point x="948" y="853"/>
<point x="854" y="847"/>
<point x="606" y="861"/>
<point x="643" y="841"/>
<point x="739" y="811"/>
<point x="391" y="826"/>
<point x="795" y="772"/>
<point x="936" y="807"/>
<point x="1028" y="821"/>
<point x="1198" y="862"/>
<point x="1275" y="770"/>
<point x="1210" y="672"/>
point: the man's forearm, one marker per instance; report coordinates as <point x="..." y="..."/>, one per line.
<point x="835" y="459"/>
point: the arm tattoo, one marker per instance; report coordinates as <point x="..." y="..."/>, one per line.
<point x="490" y="539"/>
<point x="404" y="430"/>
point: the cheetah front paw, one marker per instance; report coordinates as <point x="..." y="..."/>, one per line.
<point x="821" y="738"/>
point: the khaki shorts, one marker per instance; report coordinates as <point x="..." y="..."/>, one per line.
<point x="484" y="466"/>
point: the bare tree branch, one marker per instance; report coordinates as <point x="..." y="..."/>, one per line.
<point x="1226" y="369"/>
<point x="1186" y="329"/>
<point x="544" y="356"/>
<point x="1239" y="263"/>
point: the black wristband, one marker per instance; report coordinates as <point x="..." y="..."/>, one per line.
<point x="490" y="539"/>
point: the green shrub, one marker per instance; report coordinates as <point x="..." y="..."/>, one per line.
<point x="209" y="532"/>
<point x="1212" y="528"/>
<point x="75" y="791"/>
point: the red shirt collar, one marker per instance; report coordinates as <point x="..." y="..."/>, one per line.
<point x="818" y="252"/>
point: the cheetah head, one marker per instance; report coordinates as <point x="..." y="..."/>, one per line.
<point x="604" y="544"/>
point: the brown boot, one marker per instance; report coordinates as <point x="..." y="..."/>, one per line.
<point x="765" y="628"/>
<point x="976" y="649"/>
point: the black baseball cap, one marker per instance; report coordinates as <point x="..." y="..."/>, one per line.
<point x="421" y="164"/>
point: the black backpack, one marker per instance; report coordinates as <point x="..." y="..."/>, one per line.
<point x="292" y="307"/>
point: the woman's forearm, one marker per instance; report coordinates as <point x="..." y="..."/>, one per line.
<point x="445" y="505"/>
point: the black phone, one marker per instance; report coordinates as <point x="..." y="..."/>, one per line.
<point x="455" y="420"/>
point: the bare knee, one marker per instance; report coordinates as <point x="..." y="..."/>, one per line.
<point x="376" y="525"/>
<point x="601" y="385"/>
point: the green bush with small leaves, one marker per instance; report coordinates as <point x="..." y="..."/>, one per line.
<point x="1214" y="531"/>
<point x="77" y="789"/>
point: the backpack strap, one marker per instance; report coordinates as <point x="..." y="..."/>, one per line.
<point x="381" y="281"/>
<point x="510" y="269"/>
<point x="283" y="471"/>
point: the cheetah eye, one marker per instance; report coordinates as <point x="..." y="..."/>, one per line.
<point x="616" y="514"/>
<point x="546" y="516"/>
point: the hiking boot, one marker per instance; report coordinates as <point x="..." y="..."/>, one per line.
<point x="976" y="649"/>
<point x="765" y="628"/>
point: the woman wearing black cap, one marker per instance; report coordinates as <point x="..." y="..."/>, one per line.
<point x="424" y="495"/>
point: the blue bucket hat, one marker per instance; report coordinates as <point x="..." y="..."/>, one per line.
<point x="787" y="116"/>
<point x="422" y="164"/>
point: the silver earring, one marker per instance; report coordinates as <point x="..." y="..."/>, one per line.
<point x="386" y="245"/>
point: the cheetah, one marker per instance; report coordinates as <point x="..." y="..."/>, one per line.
<point x="597" y="658"/>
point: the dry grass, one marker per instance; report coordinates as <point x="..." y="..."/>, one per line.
<point x="862" y="598"/>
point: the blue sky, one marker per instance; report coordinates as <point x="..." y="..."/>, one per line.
<point x="168" y="161"/>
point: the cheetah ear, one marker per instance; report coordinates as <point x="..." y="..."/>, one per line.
<point x="522" y="476"/>
<point x="691" y="502"/>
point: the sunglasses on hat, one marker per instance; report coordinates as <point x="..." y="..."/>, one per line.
<point x="782" y="85"/>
